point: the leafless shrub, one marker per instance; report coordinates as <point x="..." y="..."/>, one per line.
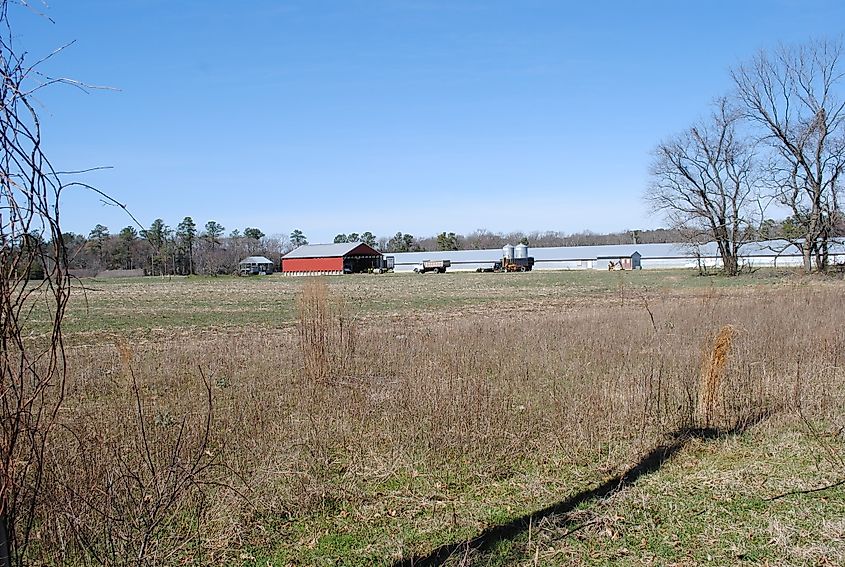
<point x="33" y="275"/>
<point x="135" y="493"/>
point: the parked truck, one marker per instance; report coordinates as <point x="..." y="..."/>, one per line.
<point x="436" y="266"/>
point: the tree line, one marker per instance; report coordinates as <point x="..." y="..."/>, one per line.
<point x="182" y="250"/>
<point x="188" y="249"/>
<point x="775" y="141"/>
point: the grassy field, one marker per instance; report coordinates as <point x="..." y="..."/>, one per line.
<point x="373" y="419"/>
<point x="151" y="305"/>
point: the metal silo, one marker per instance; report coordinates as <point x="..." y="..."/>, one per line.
<point x="507" y="251"/>
<point x="521" y="251"/>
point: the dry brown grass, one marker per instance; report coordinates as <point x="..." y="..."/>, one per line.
<point x="326" y="331"/>
<point x="710" y="388"/>
<point x="395" y="426"/>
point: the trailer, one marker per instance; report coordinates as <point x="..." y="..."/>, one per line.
<point x="436" y="266"/>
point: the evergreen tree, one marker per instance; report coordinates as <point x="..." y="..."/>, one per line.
<point x="186" y="232"/>
<point x="402" y="243"/>
<point x="253" y="233"/>
<point x="368" y="238"/>
<point x="125" y="240"/>
<point x="447" y="241"/>
<point x="158" y="236"/>
<point x="97" y="239"/>
<point x="213" y="231"/>
<point x="297" y="238"/>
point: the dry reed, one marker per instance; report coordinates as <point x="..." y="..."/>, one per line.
<point x="326" y="332"/>
<point x="710" y="387"/>
<point x="125" y="354"/>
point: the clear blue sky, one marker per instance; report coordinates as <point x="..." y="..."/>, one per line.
<point x="388" y="115"/>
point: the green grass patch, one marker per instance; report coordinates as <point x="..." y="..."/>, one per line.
<point x="707" y="506"/>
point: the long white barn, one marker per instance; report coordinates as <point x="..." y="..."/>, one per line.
<point x="773" y="253"/>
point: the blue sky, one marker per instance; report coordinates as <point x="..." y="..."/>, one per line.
<point x="388" y="115"/>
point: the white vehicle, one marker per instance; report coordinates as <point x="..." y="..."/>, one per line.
<point x="436" y="266"/>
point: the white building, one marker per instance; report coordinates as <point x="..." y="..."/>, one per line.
<point x="773" y="253"/>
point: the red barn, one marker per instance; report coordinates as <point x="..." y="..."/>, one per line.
<point x="346" y="258"/>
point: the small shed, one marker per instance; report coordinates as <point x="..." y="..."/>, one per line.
<point x="617" y="262"/>
<point x="344" y="258"/>
<point x="255" y="265"/>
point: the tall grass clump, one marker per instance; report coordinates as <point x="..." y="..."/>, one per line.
<point x="713" y="371"/>
<point x="326" y="332"/>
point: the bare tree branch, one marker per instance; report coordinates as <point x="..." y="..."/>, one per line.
<point x="793" y="97"/>
<point x="706" y="182"/>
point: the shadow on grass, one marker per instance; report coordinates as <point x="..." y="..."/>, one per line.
<point x="650" y="463"/>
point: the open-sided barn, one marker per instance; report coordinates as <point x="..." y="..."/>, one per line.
<point x="255" y="265"/>
<point x="346" y="258"/>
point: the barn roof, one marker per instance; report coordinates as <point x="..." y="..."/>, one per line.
<point x="332" y="250"/>
<point x="647" y="252"/>
<point x="623" y="254"/>
<point x="548" y="254"/>
<point x="256" y="260"/>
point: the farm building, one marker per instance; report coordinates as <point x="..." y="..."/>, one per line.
<point x="778" y="254"/>
<point x="255" y="265"/>
<point x="346" y="258"/>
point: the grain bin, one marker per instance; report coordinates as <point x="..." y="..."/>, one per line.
<point x="521" y="251"/>
<point x="507" y="251"/>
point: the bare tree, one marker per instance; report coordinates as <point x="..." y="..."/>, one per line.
<point x="32" y="372"/>
<point x="793" y="95"/>
<point x="705" y="181"/>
